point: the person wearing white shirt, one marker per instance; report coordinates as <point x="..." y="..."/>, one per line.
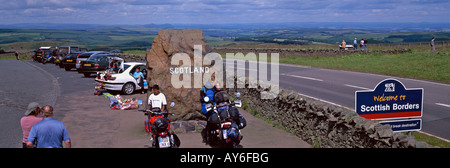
<point x="157" y="99"/>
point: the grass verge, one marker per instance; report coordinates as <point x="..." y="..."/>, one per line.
<point x="430" y="139"/>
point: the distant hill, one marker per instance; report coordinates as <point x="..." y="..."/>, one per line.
<point x="385" y="26"/>
<point x="140" y="37"/>
<point x="52" y="26"/>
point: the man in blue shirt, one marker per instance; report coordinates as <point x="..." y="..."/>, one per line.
<point x="49" y="133"/>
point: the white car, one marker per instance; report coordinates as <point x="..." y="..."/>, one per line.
<point x="124" y="80"/>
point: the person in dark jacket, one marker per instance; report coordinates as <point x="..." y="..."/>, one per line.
<point x="365" y="44"/>
<point x="17" y="55"/>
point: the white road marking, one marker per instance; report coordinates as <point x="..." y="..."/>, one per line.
<point x="442" y="104"/>
<point x="303" y="77"/>
<point x="247" y="69"/>
<point x="357" y="87"/>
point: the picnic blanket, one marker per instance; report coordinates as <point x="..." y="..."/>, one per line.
<point x="118" y="102"/>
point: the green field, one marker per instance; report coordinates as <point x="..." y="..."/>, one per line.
<point x="419" y="65"/>
<point x="106" y="38"/>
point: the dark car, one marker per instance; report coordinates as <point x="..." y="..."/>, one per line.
<point x="85" y="56"/>
<point x="69" y="61"/>
<point x="96" y="63"/>
<point x="64" y="51"/>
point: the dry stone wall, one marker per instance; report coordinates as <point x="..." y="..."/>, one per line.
<point x="304" y="52"/>
<point x="324" y="125"/>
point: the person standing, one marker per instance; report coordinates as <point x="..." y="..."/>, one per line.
<point x="29" y="120"/>
<point x="365" y="44"/>
<point x="361" y="44"/>
<point x="433" y="49"/>
<point x="343" y="44"/>
<point x="355" y="44"/>
<point x="49" y="133"/>
<point x="157" y="99"/>
<point x="207" y="91"/>
<point x="17" y="55"/>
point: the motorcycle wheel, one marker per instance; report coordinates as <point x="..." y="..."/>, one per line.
<point x="176" y="141"/>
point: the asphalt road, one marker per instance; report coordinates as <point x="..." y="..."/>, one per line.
<point x="88" y="119"/>
<point x="20" y="84"/>
<point x="91" y="123"/>
<point x="338" y="87"/>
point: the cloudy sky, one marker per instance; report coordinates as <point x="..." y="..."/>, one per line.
<point x="221" y="11"/>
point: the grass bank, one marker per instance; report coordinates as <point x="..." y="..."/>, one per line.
<point x="419" y="65"/>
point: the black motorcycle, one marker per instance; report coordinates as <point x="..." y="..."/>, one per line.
<point x="225" y="121"/>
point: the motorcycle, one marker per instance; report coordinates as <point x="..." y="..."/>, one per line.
<point x="46" y="59"/>
<point x="159" y="128"/>
<point x="226" y="132"/>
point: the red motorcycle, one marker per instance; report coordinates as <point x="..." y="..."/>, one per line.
<point x="158" y="125"/>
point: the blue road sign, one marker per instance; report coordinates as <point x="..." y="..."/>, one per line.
<point x="404" y="125"/>
<point x="389" y="100"/>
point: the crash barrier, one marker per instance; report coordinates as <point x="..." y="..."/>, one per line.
<point x="288" y="52"/>
<point x="322" y="124"/>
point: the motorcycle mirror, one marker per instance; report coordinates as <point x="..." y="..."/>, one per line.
<point x="206" y="99"/>
<point x="172" y="104"/>
<point x="238" y="94"/>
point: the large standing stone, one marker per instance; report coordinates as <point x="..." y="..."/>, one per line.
<point x="165" y="45"/>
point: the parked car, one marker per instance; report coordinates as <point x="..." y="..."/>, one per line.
<point x="64" y="51"/>
<point x="85" y="56"/>
<point x="68" y="49"/>
<point x="69" y="61"/>
<point x="123" y="80"/>
<point x="40" y="53"/>
<point x="96" y="63"/>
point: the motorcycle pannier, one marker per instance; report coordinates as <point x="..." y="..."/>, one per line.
<point x="214" y="119"/>
<point x="221" y="96"/>
<point x="234" y="113"/>
<point x="223" y="112"/>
